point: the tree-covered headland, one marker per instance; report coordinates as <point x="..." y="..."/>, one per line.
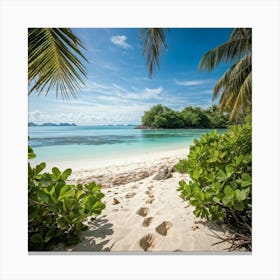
<point x="160" y="116"/>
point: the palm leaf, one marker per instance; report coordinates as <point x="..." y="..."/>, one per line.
<point x="234" y="76"/>
<point x="236" y="95"/>
<point x="153" y="41"/>
<point x="235" y="85"/>
<point x="232" y="50"/>
<point x="54" y="61"/>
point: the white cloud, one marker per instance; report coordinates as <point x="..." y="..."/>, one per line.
<point x="153" y="91"/>
<point x="111" y="67"/>
<point x="120" y="40"/>
<point x="191" y="82"/>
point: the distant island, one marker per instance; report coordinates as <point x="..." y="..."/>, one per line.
<point x="51" y="124"/>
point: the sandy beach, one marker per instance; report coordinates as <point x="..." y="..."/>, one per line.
<point x="144" y="212"/>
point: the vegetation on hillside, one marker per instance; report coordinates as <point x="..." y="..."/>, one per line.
<point x="190" y="117"/>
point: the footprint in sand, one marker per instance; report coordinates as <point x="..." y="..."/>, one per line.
<point x="149" y="192"/>
<point x="163" y="228"/>
<point x="195" y="227"/>
<point x="143" y="211"/>
<point x="148" y="241"/>
<point x="147" y="221"/>
<point x="150" y="200"/>
<point x="130" y="195"/>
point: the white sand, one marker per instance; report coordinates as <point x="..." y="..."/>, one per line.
<point x="143" y="214"/>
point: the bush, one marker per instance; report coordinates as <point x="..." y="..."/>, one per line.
<point x="181" y="166"/>
<point x="220" y="168"/>
<point x="56" y="210"/>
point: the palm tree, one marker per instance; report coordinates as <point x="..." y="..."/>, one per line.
<point x="235" y="86"/>
<point x="54" y="58"/>
<point x="153" y="41"/>
<point x="54" y="61"/>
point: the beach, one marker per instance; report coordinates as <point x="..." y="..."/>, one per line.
<point x="144" y="212"/>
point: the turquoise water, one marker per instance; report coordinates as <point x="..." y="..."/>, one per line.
<point x="52" y="143"/>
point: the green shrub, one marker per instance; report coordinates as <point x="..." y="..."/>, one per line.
<point x="181" y="166"/>
<point x="220" y="168"/>
<point x="56" y="210"/>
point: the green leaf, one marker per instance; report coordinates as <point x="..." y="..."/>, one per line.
<point x="226" y="200"/>
<point x="66" y="191"/>
<point x="63" y="223"/>
<point x="30" y="171"/>
<point x="66" y="174"/>
<point x="197" y="212"/>
<point x="36" y="238"/>
<point x="53" y="196"/>
<point x="45" y="179"/>
<point x="49" y="235"/>
<point x="240" y="195"/>
<point x="221" y="176"/>
<point x="194" y="202"/>
<point x="229" y="170"/>
<point x="43" y="195"/>
<point x="238" y="205"/>
<point x="245" y="184"/>
<point x="216" y="199"/>
<point x="79" y="193"/>
<point x="246" y="177"/>
<point x="56" y="172"/>
<point x="228" y="191"/>
<point x="39" y="168"/>
<point x="58" y="187"/>
<point x="31" y="154"/>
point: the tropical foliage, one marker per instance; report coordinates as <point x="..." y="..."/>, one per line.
<point x="57" y="210"/>
<point x="235" y="86"/>
<point x="190" y="117"/>
<point x="220" y="168"/>
<point x="55" y="61"/>
<point x="153" y="42"/>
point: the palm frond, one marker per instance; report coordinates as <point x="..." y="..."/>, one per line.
<point x="239" y="33"/>
<point x="231" y="50"/>
<point x="54" y="61"/>
<point x="243" y="99"/>
<point x="153" y="41"/>
<point x="236" y="96"/>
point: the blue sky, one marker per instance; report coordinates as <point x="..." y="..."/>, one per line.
<point x="118" y="90"/>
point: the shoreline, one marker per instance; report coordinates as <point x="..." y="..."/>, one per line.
<point x="147" y="157"/>
<point x="144" y="212"/>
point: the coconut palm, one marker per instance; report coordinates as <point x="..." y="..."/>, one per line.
<point x="153" y="41"/>
<point x="54" y="61"/>
<point x="235" y="86"/>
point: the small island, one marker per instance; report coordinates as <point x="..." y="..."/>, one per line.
<point x="162" y="117"/>
<point x="51" y="124"/>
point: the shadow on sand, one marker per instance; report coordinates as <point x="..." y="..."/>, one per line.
<point x="96" y="237"/>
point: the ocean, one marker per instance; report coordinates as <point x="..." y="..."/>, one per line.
<point x="70" y="143"/>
